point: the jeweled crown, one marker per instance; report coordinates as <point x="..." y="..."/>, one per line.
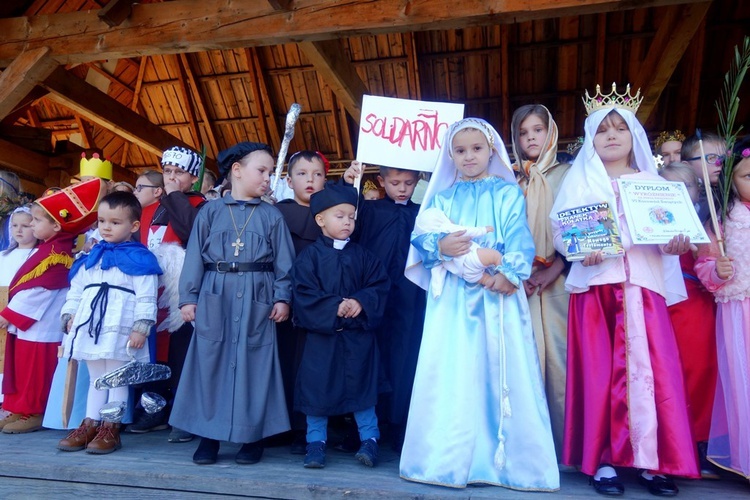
<point x="612" y="100"/>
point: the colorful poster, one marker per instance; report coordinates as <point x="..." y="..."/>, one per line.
<point x="403" y="133"/>
<point x="657" y="211"/>
<point x="588" y="229"/>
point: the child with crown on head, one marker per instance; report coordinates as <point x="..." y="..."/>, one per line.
<point x="478" y="412"/>
<point x="36" y="296"/>
<point x="625" y="399"/>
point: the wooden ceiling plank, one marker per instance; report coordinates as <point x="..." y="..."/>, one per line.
<point x="95" y="106"/>
<point x="338" y="72"/>
<point x="601" y="47"/>
<point x="272" y="125"/>
<point x="200" y="102"/>
<point x="23" y="74"/>
<point x="257" y="99"/>
<point x="180" y="25"/>
<point x="115" y="12"/>
<point x="187" y="102"/>
<point x="134" y="105"/>
<point x="336" y="126"/>
<point x="410" y="46"/>
<point x="669" y="45"/>
<point x="86" y="139"/>
<point x="505" y="80"/>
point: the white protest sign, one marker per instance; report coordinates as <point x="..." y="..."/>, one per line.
<point x="403" y="133"/>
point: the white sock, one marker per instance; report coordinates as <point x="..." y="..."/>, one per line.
<point x="605" y="471"/>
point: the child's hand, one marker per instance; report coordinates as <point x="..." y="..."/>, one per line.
<point x="4" y="323"/>
<point x="500" y="284"/>
<point x="280" y="312"/>
<point x="724" y="267"/>
<point x="546" y="276"/>
<point x="593" y="259"/>
<point x="529" y="288"/>
<point x="188" y="312"/>
<point x="678" y="245"/>
<point x="354" y="308"/>
<point x="490" y="229"/>
<point x="455" y="244"/>
<point x="136" y="339"/>
<point x="354" y="170"/>
<point x="343" y="308"/>
<point x="70" y="324"/>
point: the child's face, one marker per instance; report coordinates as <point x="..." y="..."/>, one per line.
<point x="337" y="222"/>
<point x="399" y="184"/>
<point x="372" y="194"/>
<point x="20" y="228"/>
<point x="116" y="224"/>
<point x="532" y="134"/>
<point x="42" y="227"/>
<point x="741" y="179"/>
<point x="147" y="193"/>
<point x="251" y="175"/>
<point x="692" y="187"/>
<point x="177" y="179"/>
<point x="715" y="152"/>
<point x="613" y="141"/>
<point x="670" y="151"/>
<point x="471" y="154"/>
<point x="308" y="177"/>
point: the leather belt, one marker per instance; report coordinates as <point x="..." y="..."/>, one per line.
<point x="239" y="267"/>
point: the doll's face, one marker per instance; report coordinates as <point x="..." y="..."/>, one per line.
<point x="307" y="178"/>
<point x="20" y="228"/>
<point x="741" y="179"/>
<point x="532" y="134"/>
<point x="613" y="141"/>
<point x="471" y="154"/>
<point x="337" y="222"/>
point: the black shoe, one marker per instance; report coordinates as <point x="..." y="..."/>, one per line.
<point x="315" y="458"/>
<point x="207" y="452"/>
<point x="708" y="470"/>
<point x="149" y="422"/>
<point x="249" y="454"/>
<point x="368" y="453"/>
<point x="350" y="444"/>
<point x="610" y="486"/>
<point x="659" y="486"/>
<point x="299" y="445"/>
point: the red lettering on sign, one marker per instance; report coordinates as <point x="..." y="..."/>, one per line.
<point x="422" y="133"/>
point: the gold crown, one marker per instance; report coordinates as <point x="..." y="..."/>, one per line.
<point x="95" y="167"/>
<point x="369" y="186"/>
<point x="668" y="136"/>
<point x="612" y="100"/>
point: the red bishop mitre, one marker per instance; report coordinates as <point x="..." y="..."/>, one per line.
<point x="75" y="207"/>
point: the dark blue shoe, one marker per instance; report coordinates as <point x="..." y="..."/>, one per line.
<point x="207" y="452"/>
<point x="368" y="453"/>
<point x="316" y="455"/>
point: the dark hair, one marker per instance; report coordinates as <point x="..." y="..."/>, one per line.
<point x="155" y="178"/>
<point x="210" y="174"/>
<point x="384" y="171"/>
<point x="305" y="154"/>
<point x="515" y="126"/>
<point x="691" y="143"/>
<point x="122" y="199"/>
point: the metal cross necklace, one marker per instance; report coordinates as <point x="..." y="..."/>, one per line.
<point x="238" y="244"/>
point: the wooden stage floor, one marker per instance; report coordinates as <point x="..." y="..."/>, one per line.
<point x="149" y="467"/>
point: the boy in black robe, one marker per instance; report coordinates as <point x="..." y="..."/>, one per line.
<point x="384" y="227"/>
<point x="339" y="293"/>
<point x="306" y="176"/>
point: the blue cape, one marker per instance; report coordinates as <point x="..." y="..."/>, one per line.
<point x="130" y="257"/>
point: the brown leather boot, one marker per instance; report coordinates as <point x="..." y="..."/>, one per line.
<point x="79" y="438"/>
<point x="107" y="439"/>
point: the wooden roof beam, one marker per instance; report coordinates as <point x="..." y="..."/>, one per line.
<point x="24" y="162"/>
<point x="187" y="97"/>
<point x="115" y="12"/>
<point x="339" y="73"/>
<point x="182" y="26"/>
<point x="677" y="28"/>
<point x="200" y="103"/>
<point x="99" y="108"/>
<point x="23" y="74"/>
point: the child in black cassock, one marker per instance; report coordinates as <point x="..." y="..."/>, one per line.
<point x="340" y="291"/>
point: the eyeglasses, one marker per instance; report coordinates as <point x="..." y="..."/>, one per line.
<point x="711" y="159"/>
<point x="174" y="171"/>
<point x="139" y="187"/>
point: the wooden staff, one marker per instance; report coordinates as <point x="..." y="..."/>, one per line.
<point x="710" y="197"/>
<point x="69" y="390"/>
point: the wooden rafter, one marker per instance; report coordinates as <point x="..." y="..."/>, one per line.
<point x="257" y="75"/>
<point x="22" y="76"/>
<point x="505" y="80"/>
<point x="337" y="71"/>
<point x="187" y="99"/>
<point x="99" y="108"/>
<point x="678" y="26"/>
<point x="24" y="162"/>
<point x="410" y="47"/>
<point x="258" y="101"/>
<point x="336" y="126"/>
<point x="134" y="105"/>
<point x="601" y="47"/>
<point x="200" y="103"/>
<point x="86" y="139"/>
<point x="180" y="25"/>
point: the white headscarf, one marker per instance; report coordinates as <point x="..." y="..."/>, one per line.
<point x="445" y="175"/>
